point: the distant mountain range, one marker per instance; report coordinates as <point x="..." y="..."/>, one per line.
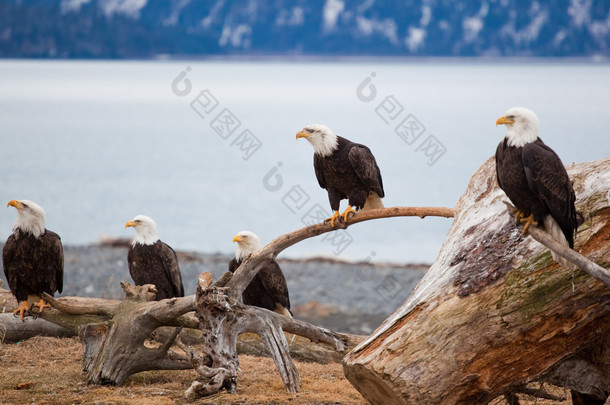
<point x="187" y="28"/>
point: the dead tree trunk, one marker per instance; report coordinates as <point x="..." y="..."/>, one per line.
<point x="495" y="312"/>
<point x="221" y="320"/>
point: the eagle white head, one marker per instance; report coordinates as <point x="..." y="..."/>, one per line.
<point x="521" y="124"/>
<point x="247" y="243"/>
<point x="146" y="230"/>
<point x="322" y="138"/>
<point x="30" y="217"/>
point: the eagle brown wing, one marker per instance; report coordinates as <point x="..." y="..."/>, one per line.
<point x="172" y="269"/>
<point x="233" y="265"/>
<point x="548" y="179"/>
<point x="364" y="164"/>
<point x="274" y="283"/>
<point x="54" y="250"/>
<point x="318" y="168"/>
<point x="8" y="254"/>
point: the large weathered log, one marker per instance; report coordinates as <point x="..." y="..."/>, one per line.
<point x="495" y="312"/>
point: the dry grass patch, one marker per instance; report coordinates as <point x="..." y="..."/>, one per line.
<point x="45" y="370"/>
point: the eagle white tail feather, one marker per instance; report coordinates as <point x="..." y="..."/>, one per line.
<point x="373" y="201"/>
<point x="554" y="229"/>
<point x="282" y="310"/>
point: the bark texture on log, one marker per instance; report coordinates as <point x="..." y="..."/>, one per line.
<point x="13" y="329"/>
<point x="115" y="350"/>
<point x="495" y="312"/>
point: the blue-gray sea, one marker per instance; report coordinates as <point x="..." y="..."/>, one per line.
<point x="208" y="148"/>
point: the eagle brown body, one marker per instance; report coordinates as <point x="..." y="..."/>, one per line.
<point x="536" y="182"/>
<point x="33" y="265"/>
<point x="350" y="172"/>
<point x="152" y="261"/>
<point x="346" y="170"/>
<point x="267" y="289"/>
<point x="156" y="264"/>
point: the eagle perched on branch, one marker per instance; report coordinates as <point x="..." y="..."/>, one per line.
<point x="268" y="288"/>
<point x="534" y="179"/>
<point x="33" y="258"/>
<point x="152" y="261"/>
<point x="346" y="170"/>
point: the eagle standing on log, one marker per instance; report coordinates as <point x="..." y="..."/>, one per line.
<point x="346" y="170"/>
<point x="33" y="258"/>
<point x="268" y="288"/>
<point x="534" y="179"/>
<point x="152" y="261"/>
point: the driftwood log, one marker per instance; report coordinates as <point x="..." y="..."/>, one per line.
<point x="117" y="336"/>
<point x="222" y="316"/>
<point x="495" y="313"/>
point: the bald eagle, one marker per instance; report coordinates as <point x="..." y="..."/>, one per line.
<point x="534" y="179"/>
<point x="345" y="169"/>
<point x="152" y="261"/>
<point x="268" y="288"/>
<point x="33" y="258"/>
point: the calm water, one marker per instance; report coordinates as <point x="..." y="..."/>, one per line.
<point x="96" y="143"/>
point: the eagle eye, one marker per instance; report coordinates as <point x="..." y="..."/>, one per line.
<point x="310" y="130"/>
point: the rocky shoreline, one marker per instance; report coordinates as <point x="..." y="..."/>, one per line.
<point x="339" y="295"/>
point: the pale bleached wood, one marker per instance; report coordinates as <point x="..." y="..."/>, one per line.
<point x="495" y="312"/>
<point x="248" y="269"/>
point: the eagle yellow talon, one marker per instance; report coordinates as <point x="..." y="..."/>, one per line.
<point x="346" y="213"/>
<point x="41" y="305"/>
<point x="25" y="307"/>
<point x="518" y="216"/>
<point x="529" y="221"/>
<point x="333" y="218"/>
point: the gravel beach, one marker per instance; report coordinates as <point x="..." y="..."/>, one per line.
<point x="339" y="295"/>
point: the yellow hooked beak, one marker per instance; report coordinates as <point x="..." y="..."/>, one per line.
<point x="504" y="120"/>
<point x="15" y="203"/>
<point x="237" y="238"/>
<point x="130" y="223"/>
<point x="303" y="134"/>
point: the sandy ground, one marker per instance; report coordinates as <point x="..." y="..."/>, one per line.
<point x="46" y="370"/>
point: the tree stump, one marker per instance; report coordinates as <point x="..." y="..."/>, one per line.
<point x="222" y="319"/>
<point x="495" y="312"/>
<point x="113" y="332"/>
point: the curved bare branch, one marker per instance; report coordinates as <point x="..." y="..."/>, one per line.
<point x="250" y="267"/>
